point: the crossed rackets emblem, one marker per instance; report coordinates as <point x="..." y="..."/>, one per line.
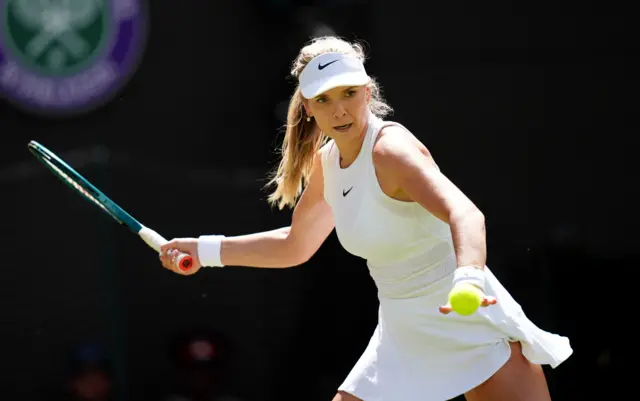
<point x="57" y="22"/>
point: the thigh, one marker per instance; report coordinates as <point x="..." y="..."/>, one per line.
<point x="342" y="396"/>
<point x="517" y="380"/>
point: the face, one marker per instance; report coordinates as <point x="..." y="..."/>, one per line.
<point x="341" y="112"/>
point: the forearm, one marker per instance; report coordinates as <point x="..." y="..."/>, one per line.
<point x="269" y="249"/>
<point x="469" y="239"/>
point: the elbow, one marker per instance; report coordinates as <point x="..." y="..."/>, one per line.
<point x="294" y="253"/>
<point x="298" y="259"/>
<point x="292" y="261"/>
<point x="470" y="217"/>
<point x="284" y="261"/>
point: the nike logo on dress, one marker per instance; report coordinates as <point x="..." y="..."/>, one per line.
<point x="322" y="67"/>
<point x="345" y="193"/>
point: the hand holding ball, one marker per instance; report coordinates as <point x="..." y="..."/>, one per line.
<point x="467" y="294"/>
<point x="465" y="299"/>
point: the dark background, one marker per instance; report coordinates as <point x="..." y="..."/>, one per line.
<point x="527" y="108"/>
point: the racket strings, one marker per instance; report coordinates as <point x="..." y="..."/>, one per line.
<point x="78" y="187"/>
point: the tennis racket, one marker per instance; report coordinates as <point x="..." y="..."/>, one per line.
<point x="82" y="186"/>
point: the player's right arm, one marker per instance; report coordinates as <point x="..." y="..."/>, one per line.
<point x="311" y="224"/>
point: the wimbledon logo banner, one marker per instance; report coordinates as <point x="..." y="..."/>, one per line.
<point x="68" y="57"/>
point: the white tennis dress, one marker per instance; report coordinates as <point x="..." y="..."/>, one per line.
<point x="416" y="353"/>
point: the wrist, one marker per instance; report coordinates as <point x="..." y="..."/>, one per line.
<point x="469" y="274"/>
<point x="210" y="250"/>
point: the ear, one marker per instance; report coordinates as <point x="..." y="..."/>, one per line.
<point x="305" y="104"/>
<point x="367" y="91"/>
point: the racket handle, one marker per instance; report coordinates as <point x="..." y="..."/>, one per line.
<point x="184" y="261"/>
<point x="155" y="241"/>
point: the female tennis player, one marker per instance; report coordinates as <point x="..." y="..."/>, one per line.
<point x="343" y="166"/>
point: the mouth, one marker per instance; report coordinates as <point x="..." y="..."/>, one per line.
<point x="343" y="128"/>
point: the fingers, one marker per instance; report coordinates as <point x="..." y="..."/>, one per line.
<point x="169" y="245"/>
<point x="486" y="301"/>
<point x="169" y="260"/>
<point x="446" y="309"/>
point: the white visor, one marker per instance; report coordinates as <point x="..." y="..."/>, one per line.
<point x="329" y="71"/>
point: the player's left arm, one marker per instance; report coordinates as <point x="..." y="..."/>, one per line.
<point x="406" y="165"/>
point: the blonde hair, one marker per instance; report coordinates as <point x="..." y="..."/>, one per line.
<point x="303" y="139"/>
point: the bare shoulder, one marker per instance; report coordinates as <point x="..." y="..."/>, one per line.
<point x="395" y="147"/>
<point x="316" y="168"/>
<point x="326" y="147"/>
<point x="322" y="153"/>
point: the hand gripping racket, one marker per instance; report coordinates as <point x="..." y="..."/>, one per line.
<point x="75" y="181"/>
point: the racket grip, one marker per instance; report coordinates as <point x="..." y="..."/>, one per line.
<point x="155" y="241"/>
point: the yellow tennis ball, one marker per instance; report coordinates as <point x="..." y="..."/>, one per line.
<point x="465" y="299"/>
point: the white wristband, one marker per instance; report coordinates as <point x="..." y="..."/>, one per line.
<point x="209" y="250"/>
<point x="469" y="275"/>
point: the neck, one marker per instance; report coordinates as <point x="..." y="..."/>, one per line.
<point x="349" y="148"/>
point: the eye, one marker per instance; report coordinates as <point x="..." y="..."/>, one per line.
<point x="351" y="93"/>
<point x="321" y="99"/>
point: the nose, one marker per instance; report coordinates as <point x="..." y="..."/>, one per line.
<point x="339" y="110"/>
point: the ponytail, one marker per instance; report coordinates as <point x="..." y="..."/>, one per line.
<point x="302" y="140"/>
